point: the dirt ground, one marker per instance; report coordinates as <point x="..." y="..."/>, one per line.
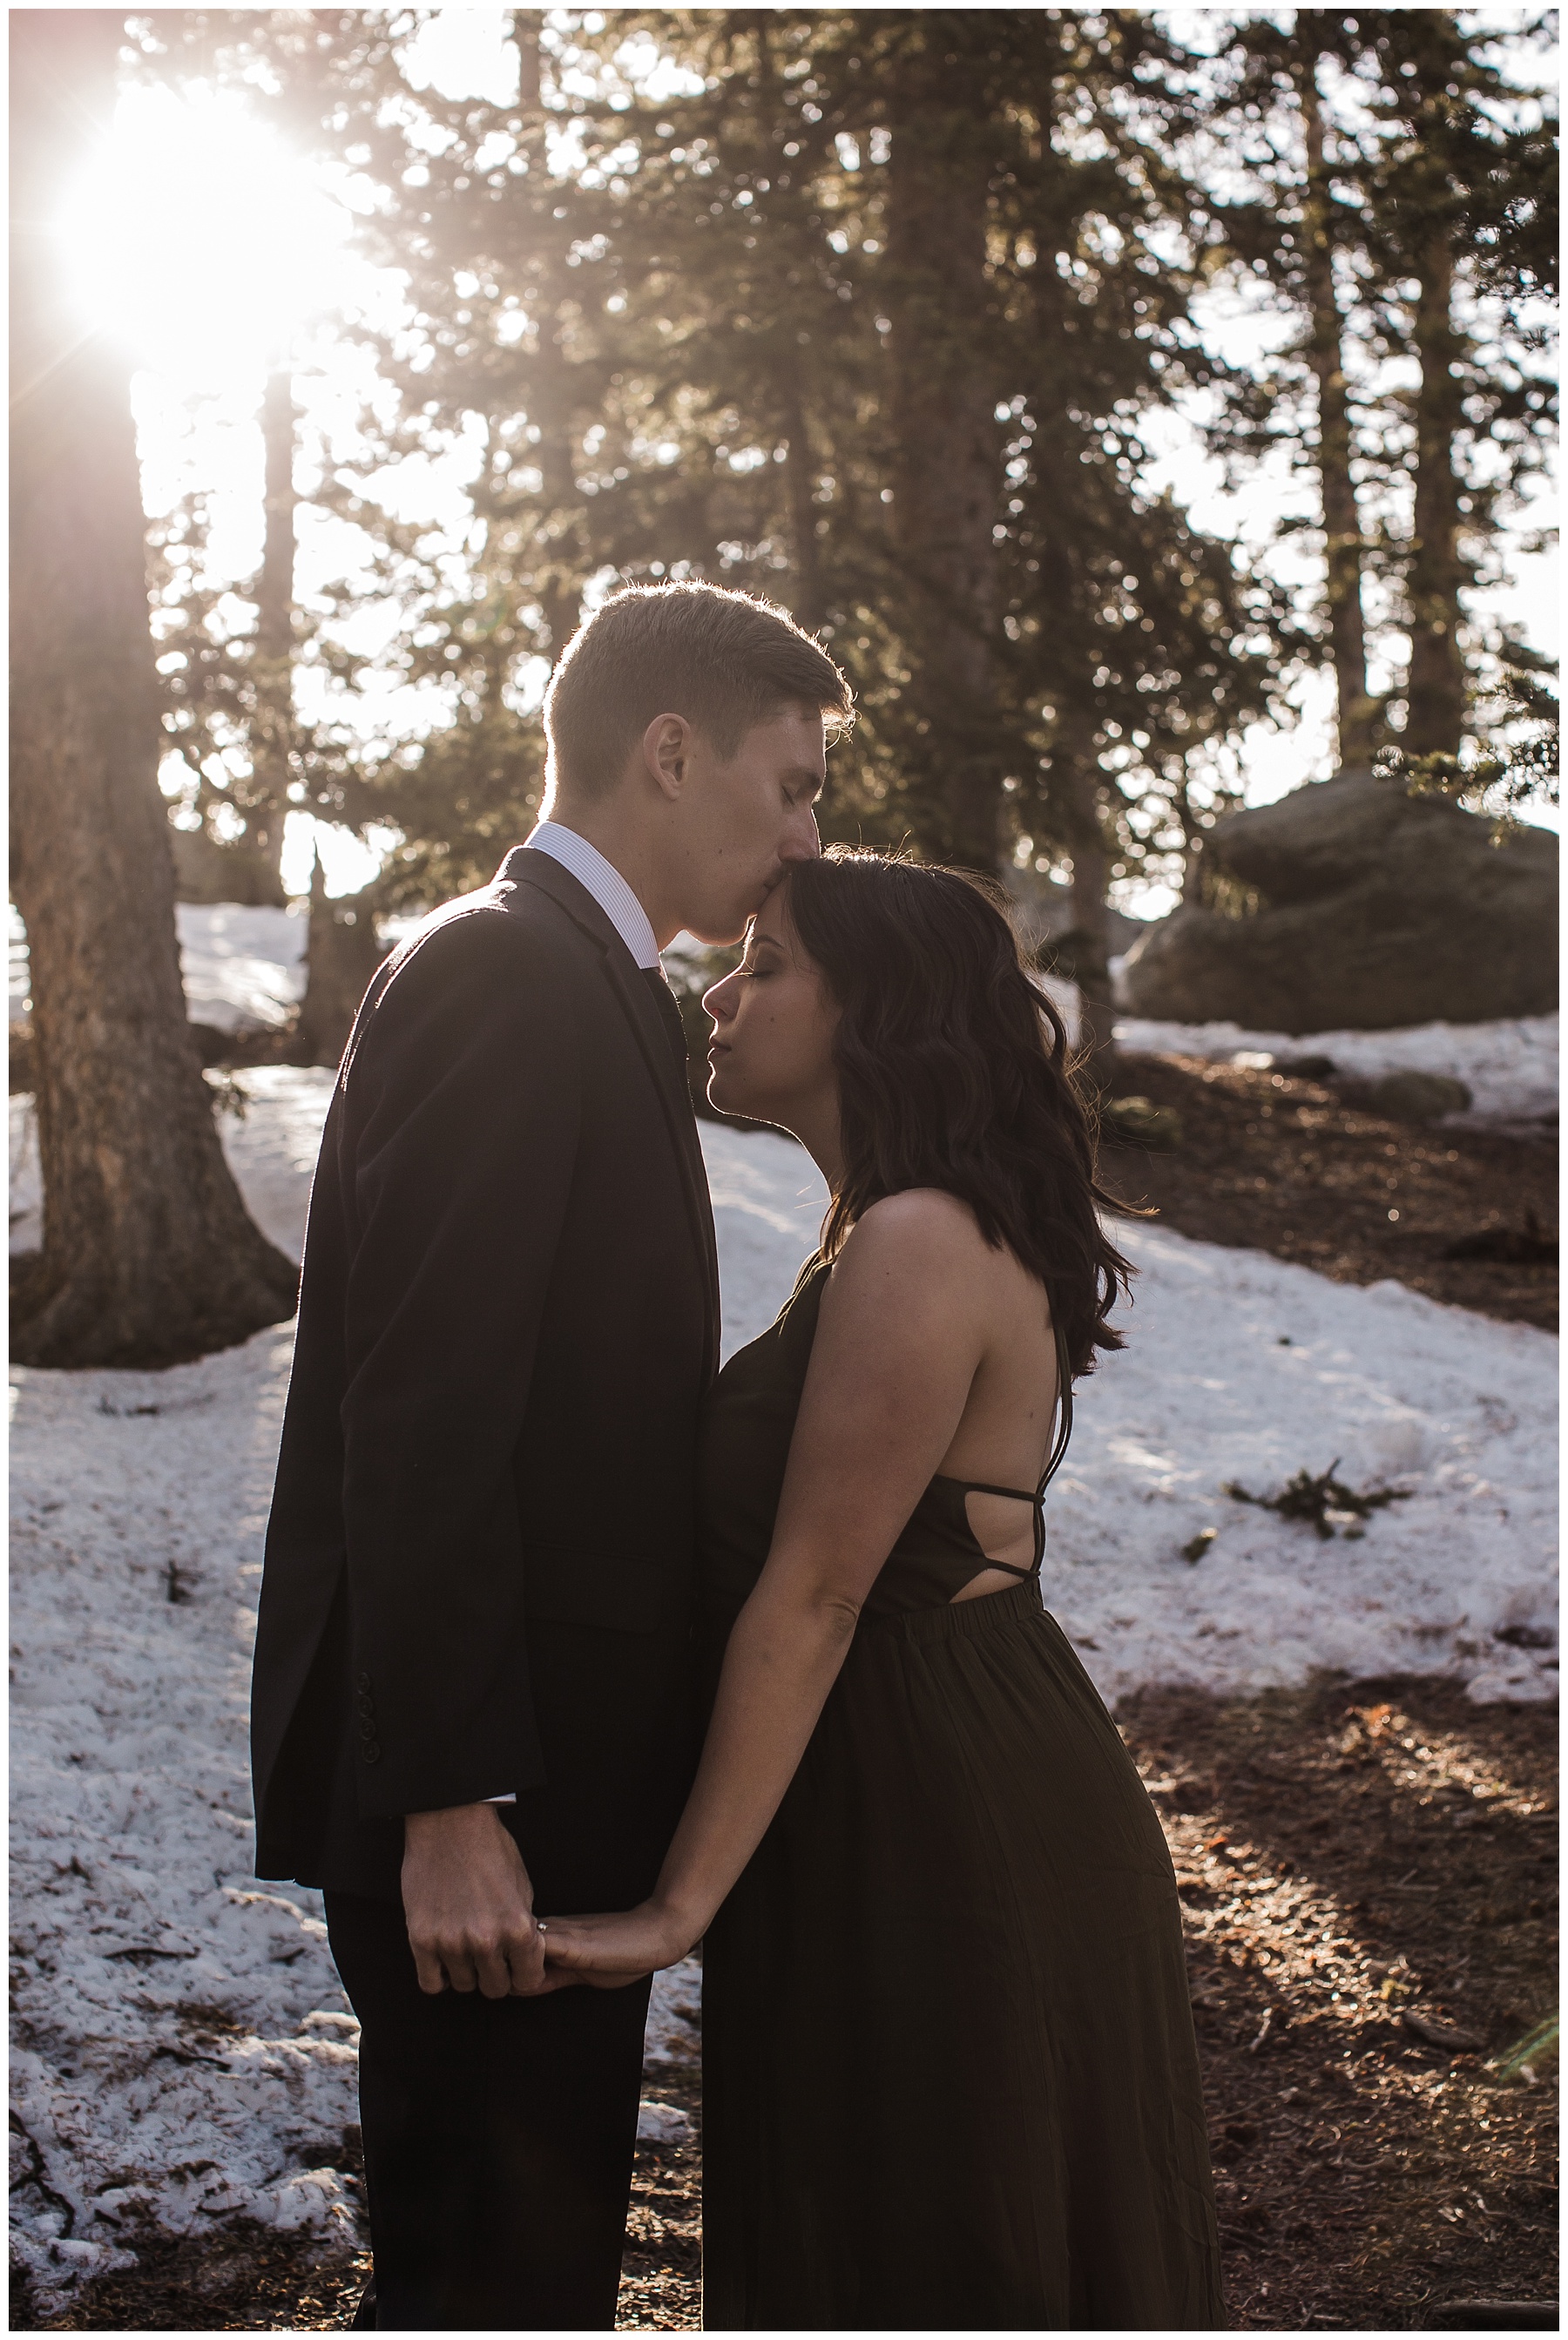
<point x="1302" y="1169"/>
<point x="1367" y="1870"/>
<point x="1367" y="1873"/>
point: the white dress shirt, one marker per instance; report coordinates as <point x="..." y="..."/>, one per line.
<point x="620" y="906"/>
<point x="604" y="882"/>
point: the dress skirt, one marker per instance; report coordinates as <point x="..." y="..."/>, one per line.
<point x="950" y="2080"/>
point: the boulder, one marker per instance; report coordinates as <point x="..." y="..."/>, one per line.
<point x="1350" y="906"/>
<point x="1418" y="1097"/>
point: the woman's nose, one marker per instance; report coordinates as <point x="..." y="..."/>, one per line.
<point x="720" y="1003"/>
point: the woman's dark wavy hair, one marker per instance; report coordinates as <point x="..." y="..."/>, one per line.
<point x="954" y="1072"/>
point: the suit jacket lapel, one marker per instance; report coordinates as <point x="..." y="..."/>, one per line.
<point x="626" y="981"/>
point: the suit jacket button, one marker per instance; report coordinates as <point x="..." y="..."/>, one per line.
<point x="364" y="1680"/>
<point x="371" y="1750"/>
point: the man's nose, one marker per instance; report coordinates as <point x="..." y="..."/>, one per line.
<point x="802" y="840"/>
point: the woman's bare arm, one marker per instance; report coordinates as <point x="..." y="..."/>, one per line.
<point x="899" y="1342"/>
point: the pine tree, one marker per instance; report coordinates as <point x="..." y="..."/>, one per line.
<point x="754" y="337"/>
<point x="1454" y="186"/>
<point x="148" y="1254"/>
<point x="229" y="695"/>
<point x="1404" y="206"/>
<point x="1302" y="233"/>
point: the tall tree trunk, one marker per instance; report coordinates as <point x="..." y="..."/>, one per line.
<point x="1341" y="522"/>
<point x="342" y="953"/>
<point x="548" y="392"/>
<point x="805" y="552"/>
<point x="273" y="725"/>
<point x="148" y="1256"/>
<point x="1435" y="692"/>
<point x="1078" y="783"/>
<point x="946" y="466"/>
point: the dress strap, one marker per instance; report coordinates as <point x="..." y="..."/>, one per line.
<point x="1058" y="1445"/>
<point x="1064" y="1412"/>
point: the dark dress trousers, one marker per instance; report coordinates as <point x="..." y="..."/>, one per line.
<point x="479" y="1557"/>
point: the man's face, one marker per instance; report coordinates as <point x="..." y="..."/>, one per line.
<point x="744" y="818"/>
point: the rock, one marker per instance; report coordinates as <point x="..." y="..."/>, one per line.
<point x="1134" y="1121"/>
<point x="1418" y="1097"/>
<point x="1350" y="906"/>
<point x="661" y="2124"/>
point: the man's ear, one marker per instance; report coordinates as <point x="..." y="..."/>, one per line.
<point x="666" y="747"/>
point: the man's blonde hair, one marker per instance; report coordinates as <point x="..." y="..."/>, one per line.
<point x="724" y="660"/>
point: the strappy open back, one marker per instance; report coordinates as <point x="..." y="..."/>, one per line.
<point x="1064" y="1430"/>
<point x="937" y="1554"/>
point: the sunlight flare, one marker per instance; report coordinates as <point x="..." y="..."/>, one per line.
<point x="199" y="241"/>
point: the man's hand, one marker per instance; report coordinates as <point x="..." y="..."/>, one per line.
<point x="470" y="1905"/>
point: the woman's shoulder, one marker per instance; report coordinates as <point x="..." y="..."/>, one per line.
<point x="921" y="1228"/>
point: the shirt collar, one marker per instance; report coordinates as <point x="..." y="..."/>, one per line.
<point x="604" y="882"/>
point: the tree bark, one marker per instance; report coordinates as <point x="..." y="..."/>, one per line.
<point x="1435" y="692"/>
<point x="805" y="552"/>
<point x="548" y="394"/>
<point x="1089" y="936"/>
<point x="148" y="1256"/>
<point x="273" y="723"/>
<point x="1341" y="522"/>
<point x="342" y="953"/>
<point x="945" y="468"/>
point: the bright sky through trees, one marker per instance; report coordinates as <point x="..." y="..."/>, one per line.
<point x="212" y="251"/>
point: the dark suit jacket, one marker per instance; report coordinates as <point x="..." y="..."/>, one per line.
<point x="478" y="1561"/>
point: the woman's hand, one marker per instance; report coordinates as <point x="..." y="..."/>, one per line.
<point x="611" y="1951"/>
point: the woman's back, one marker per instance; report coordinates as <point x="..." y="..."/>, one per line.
<point x="977" y="1526"/>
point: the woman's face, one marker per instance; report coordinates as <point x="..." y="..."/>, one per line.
<point x="771" y="1055"/>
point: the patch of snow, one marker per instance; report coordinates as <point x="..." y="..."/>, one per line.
<point x="26" y="1183"/>
<point x="183" y="2053"/>
<point x="242" y="967"/>
<point x="19" y="972"/>
<point x="1510" y="1067"/>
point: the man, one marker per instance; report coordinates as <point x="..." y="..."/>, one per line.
<point x="471" y="1695"/>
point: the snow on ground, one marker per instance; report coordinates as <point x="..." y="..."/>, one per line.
<point x="183" y="2053"/>
<point x="1510" y="1068"/>
<point x="243" y="968"/>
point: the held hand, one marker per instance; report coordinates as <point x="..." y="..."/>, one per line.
<point x="470" y="1905"/>
<point x="608" y="1952"/>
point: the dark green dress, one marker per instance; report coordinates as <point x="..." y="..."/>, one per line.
<point x="949" y="2077"/>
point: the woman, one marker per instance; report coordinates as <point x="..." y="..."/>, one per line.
<point x="950" y="2077"/>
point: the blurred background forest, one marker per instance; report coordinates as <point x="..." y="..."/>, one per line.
<point x="1148" y="409"/>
